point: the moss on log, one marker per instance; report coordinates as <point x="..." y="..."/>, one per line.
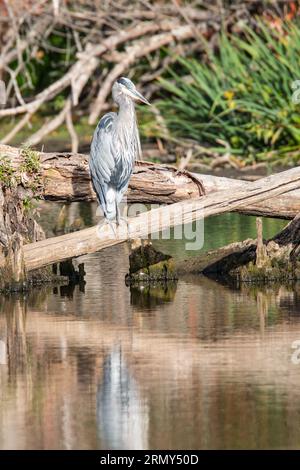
<point x="17" y="227"/>
<point x="149" y="265"/>
<point x="19" y="187"/>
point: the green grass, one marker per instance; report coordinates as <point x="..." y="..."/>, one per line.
<point x="7" y="174"/>
<point x="31" y="163"/>
<point x="11" y="177"/>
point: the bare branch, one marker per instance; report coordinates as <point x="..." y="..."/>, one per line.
<point x="142" y="48"/>
<point x="72" y="132"/>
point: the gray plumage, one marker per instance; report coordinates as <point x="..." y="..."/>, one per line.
<point x="115" y="147"/>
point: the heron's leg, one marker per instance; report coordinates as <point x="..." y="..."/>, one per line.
<point x="119" y="217"/>
<point x="117" y="214"/>
<point x="124" y="219"/>
<point x="110" y="223"/>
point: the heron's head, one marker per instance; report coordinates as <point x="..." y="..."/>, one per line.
<point x="124" y="88"/>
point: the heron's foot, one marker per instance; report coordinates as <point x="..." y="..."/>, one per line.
<point x="122" y="219"/>
<point x="103" y="224"/>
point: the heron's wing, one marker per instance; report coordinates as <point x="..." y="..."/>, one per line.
<point x="102" y="157"/>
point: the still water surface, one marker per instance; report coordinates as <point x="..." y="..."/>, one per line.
<point x="190" y="365"/>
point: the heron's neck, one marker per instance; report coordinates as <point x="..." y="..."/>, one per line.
<point x="127" y="131"/>
<point x="126" y="114"/>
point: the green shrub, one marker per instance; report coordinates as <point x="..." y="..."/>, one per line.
<point x="240" y="96"/>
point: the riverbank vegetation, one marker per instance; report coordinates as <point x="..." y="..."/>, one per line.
<point x="220" y="76"/>
<point x="242" y="102"/>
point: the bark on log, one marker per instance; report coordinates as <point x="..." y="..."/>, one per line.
<point x="248" y="260"/>
<point x="219" y="261"/>
<point x="66" y="178"/>
<point x="283" y="247"/>
<point x="90" y="240"/>
<point x="16" y="227"/>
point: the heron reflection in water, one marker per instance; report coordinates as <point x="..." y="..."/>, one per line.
<point x="122" y="413"/>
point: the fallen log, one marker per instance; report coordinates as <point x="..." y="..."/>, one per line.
<point x="252" y="260"/>
<point x="65" y="177"/>
<point x="276" y="259"/>
<point x="219" y="261"/>
<point x="90" y="240"/>
<point x="16" y="228"/>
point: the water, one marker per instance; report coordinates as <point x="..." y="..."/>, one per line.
<point x="193" y="365"/>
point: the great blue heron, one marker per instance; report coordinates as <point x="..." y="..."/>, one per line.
<point x="114" y="149"/>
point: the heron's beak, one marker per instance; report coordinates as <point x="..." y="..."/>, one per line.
<point x="138" y="96"/>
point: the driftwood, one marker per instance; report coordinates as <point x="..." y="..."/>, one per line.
<point x="90" y="240"/>
<point x="65" y="177"/>
<point x="276" y="259"/>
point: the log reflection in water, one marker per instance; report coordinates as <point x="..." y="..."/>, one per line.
<point x="15" y="309"/>
<point x="148" y="296"/>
